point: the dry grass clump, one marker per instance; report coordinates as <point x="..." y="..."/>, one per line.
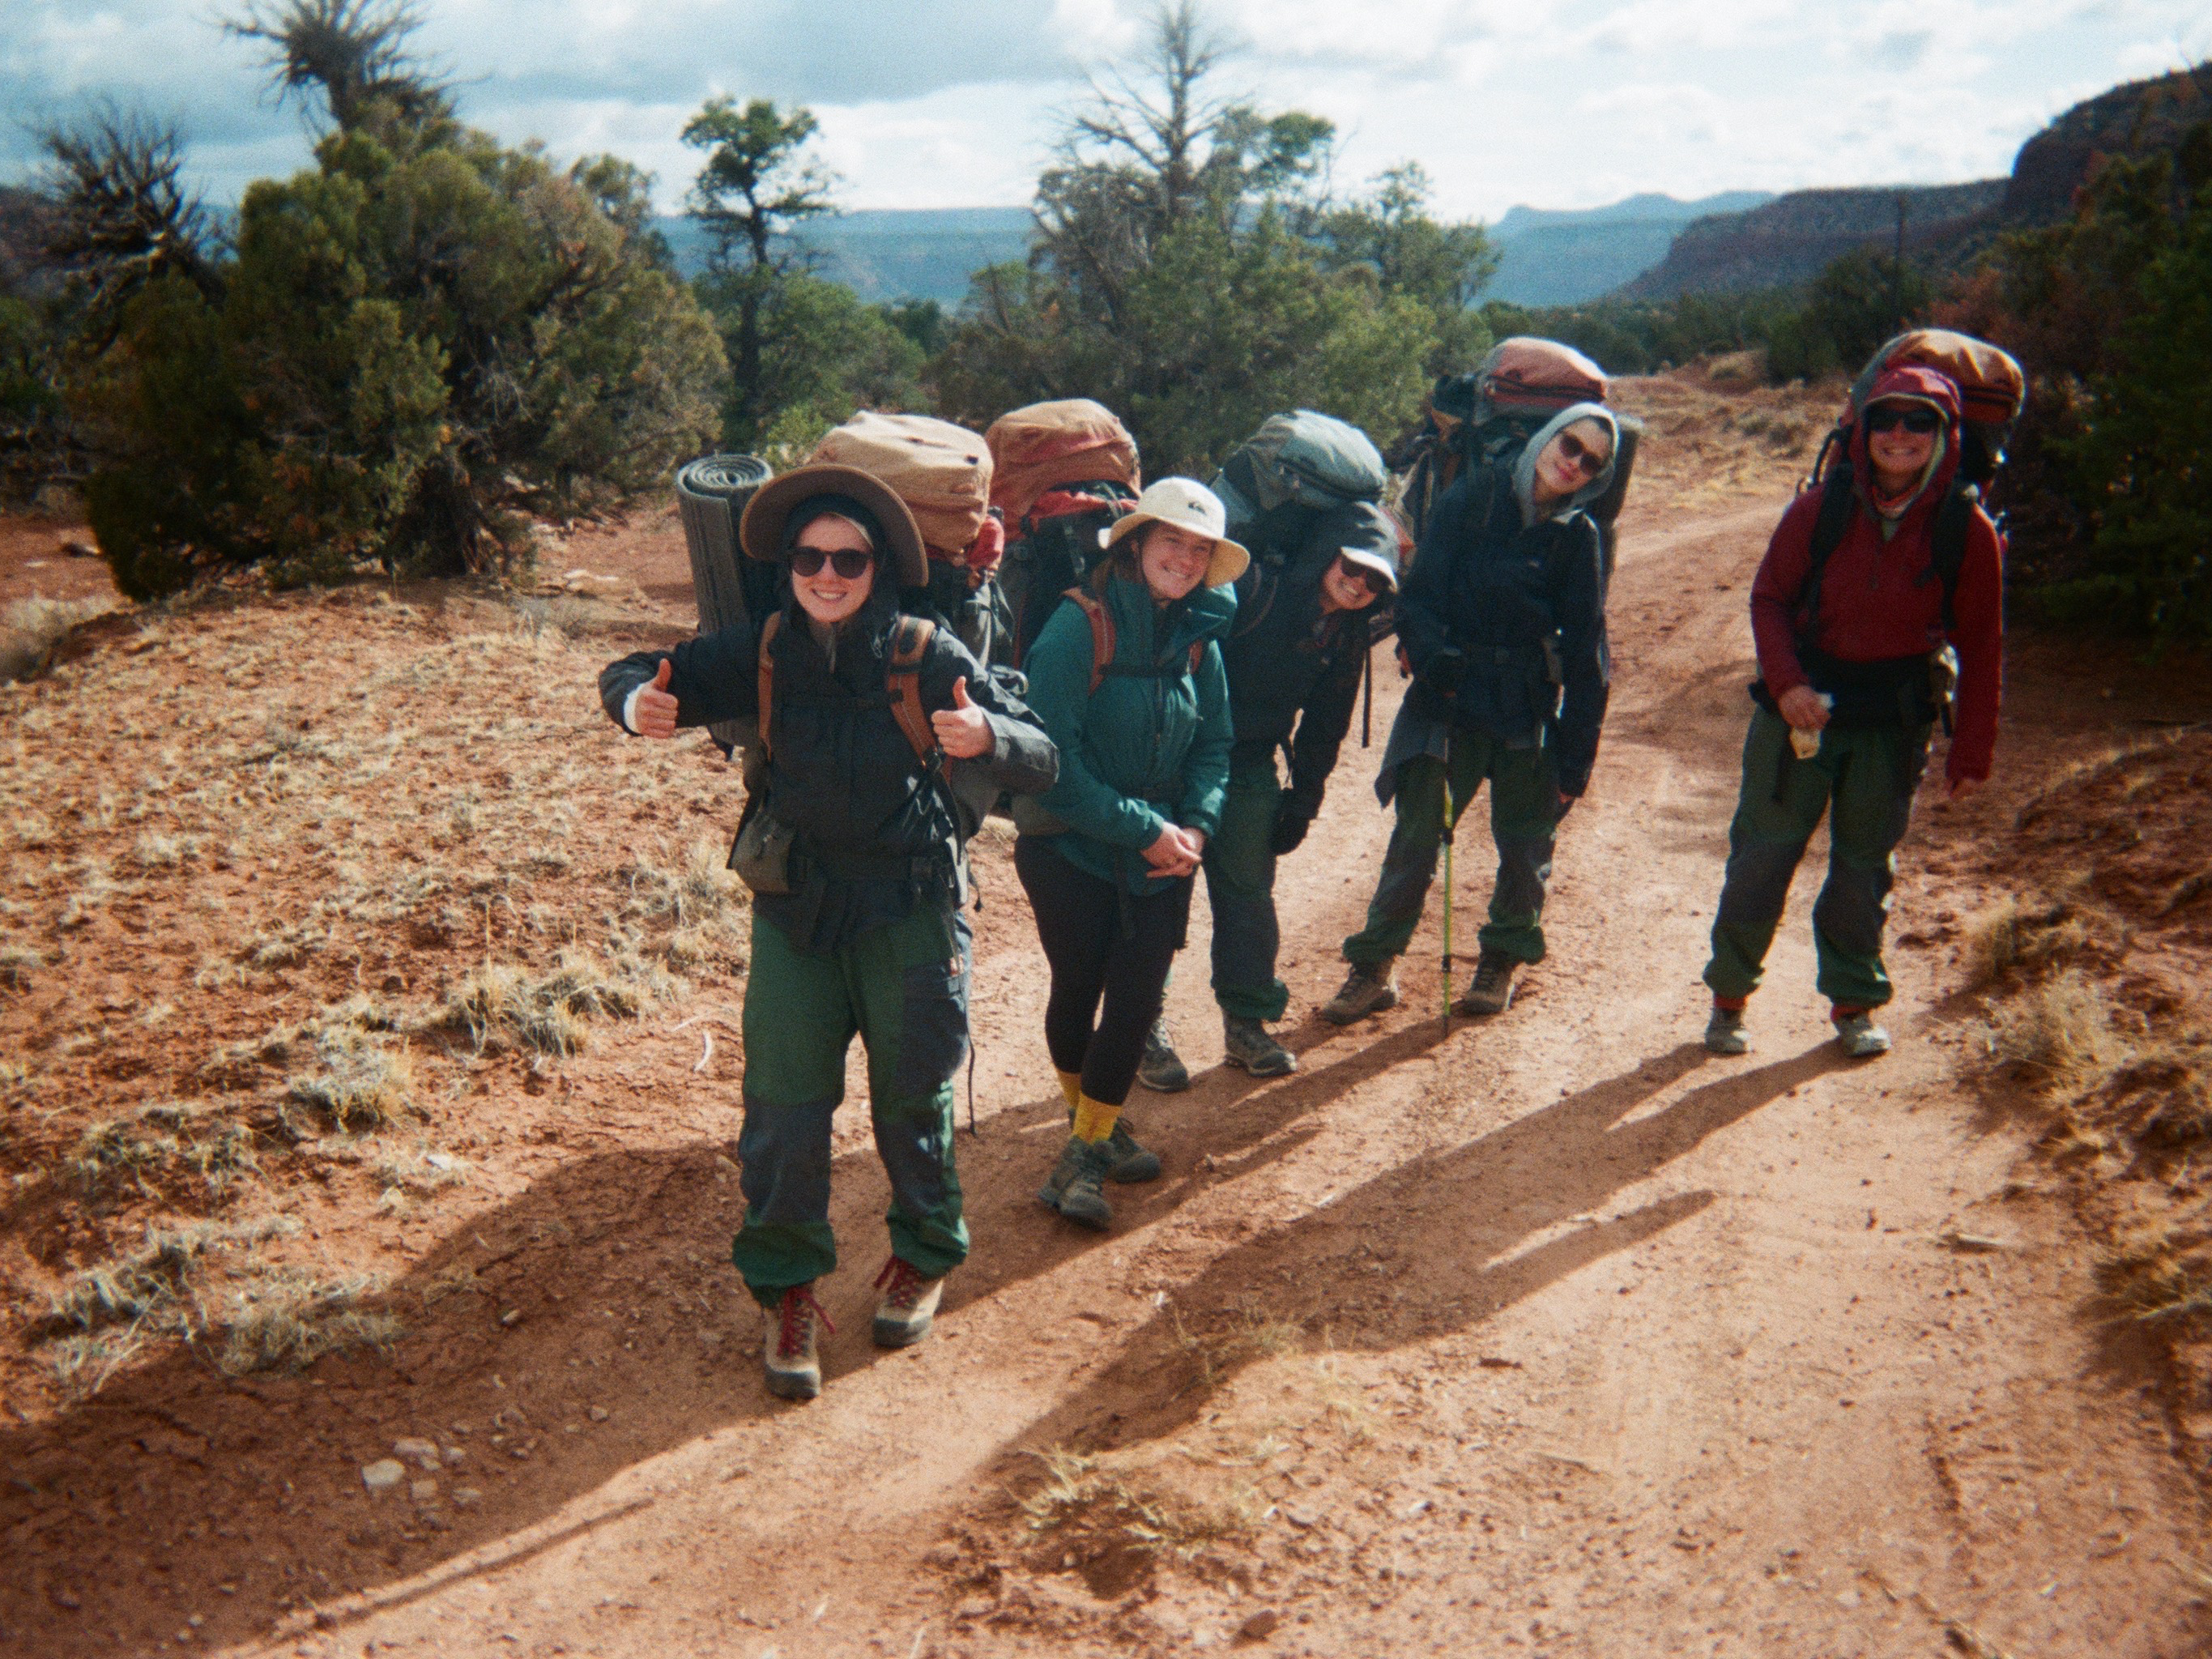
<point x="276" y="1316"/>
<point x="2061" y="1030"/>
<point x="500" y="1002"/>
<point x="2006" y="938"/>
<point x="151" y="1286"/>
<point x="2161" y="1270"/>
<point x="290" y="1318"/>
<point x="1217" y="1355"/>
<point x="1099" y="1498"/>
<point x="701" y="889"/>
<point x="33" y="627"/>
<point x="365" y="1082"/>
<point x="163" y="1139"/>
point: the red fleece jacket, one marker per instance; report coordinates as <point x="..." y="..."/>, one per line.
<point x="1873" y="601"/>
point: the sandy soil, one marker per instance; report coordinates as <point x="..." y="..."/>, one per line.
<point x="1551" y="1335"/>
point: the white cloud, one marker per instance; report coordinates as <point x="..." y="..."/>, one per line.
<point x="921" y="105"/>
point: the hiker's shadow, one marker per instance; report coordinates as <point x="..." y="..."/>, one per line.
<point x="1431" y="1247"/>
<point x="586" y="1324"/>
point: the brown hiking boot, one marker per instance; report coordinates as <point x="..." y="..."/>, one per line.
<point x="909" y="1305"/>
<point x="1492" y="990"/>
<point x="794" y="1372"/>
<point x="1370" y="988"/>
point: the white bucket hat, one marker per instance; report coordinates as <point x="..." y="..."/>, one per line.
<point x="1188" y="505"/>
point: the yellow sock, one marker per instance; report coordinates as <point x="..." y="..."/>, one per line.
<point x="1094" y="1119"/>
<point x="1071" y="1084"/>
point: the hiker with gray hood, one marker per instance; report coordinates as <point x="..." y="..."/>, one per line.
<point x="1502" y="619"/>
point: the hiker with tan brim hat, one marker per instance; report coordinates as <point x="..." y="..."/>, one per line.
<point x="875" y="723"/>
<point x="1126" y="678"/>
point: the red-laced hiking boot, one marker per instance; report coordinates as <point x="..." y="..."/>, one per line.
<point x="910" y="1305"/>
<point x="788" y="1350"/>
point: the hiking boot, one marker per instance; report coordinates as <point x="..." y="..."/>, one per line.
<point x="1072" y="1186"/>
<point x="1492" y="990"/>
<point x="1861" y="1039"/>
<point x="1131" y="1164"/>
<point x="1368" y="988"/>
<point x="788" y="1352"/>
<point x="1162" y="1070"/>
<point x="1245" y="1043"/>
<point x="909" y="1306"/>
<point x="1724" y="1032"/>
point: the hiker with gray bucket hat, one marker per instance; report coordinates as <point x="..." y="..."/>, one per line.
<point x="878" y="729"/>
<point x="1127" y="677"/>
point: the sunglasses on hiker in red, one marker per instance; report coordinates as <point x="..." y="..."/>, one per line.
<point x="1887" y="418"/>
<point x="850" y="563"/>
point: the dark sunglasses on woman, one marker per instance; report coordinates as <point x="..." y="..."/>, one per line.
<point x="1920" y="422"/>
<point x="850" y="563"/>
<point x="1591" y="461"/>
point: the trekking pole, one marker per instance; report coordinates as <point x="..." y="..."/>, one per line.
<point x="1451" y="825"/>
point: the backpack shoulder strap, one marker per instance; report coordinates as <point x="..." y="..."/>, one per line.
<point x="765" y="674"/>
<point x="1947" y="544"/>
<point x="902" y="680"/>
<point x="1101" y="633"/>
<point x="1838" y="500"/>
<point x="1265" y="580"/>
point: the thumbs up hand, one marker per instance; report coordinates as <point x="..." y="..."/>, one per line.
<point x="963" y="731"/>
<point x="654" y="715"/>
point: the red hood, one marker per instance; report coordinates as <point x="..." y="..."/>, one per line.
<point x="1920" y="385"/>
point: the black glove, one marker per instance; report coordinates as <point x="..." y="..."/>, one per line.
<point x="1441" y="674"/>
<point x="1292" y="819"/>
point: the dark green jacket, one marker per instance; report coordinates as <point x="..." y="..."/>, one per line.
<point x="1151" y="745"/>
<point x="874" y="832"/>
<point x="1294" y="671"/>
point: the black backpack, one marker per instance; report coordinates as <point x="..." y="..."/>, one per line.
<point x="1047" y="557"/>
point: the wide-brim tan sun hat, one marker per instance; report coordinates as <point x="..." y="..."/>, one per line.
<point x="760" y="532"/>
<point x="1187" y="505"/>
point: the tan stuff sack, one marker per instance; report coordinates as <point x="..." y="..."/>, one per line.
<point x="1528" y="376"/>
<point x="1074" y="440"/>
<point x="940" y="471"/>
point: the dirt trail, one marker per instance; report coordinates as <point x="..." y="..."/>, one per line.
<point x="1556" y="1336"/>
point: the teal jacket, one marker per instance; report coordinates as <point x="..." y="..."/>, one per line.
<point x="1151" y="745"/>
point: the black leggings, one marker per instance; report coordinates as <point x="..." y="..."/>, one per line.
<point x="1080" y="920"/>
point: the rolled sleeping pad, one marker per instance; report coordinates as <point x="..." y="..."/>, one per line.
<point x="711" y="494"/>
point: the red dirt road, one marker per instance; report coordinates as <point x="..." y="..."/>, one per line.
<point x="1553" y="1336"/>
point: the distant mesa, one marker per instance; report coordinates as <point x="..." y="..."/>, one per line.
<point x="1790" y="237"/>
<point x="1554" y="257"/>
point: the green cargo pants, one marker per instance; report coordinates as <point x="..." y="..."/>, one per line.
<point x="904" y="990"/>
<point x="1869" y="775"/>
<point x="1240" y="887"/>
<point x="1524" y="795"/>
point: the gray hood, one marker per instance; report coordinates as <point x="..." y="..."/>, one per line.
<point x="1524" y="465"/>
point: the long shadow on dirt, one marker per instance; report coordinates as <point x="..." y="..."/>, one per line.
<point x="1422" y="1252"/>
<point x="585" y="1324"/>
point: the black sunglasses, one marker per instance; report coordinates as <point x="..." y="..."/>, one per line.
<point x="1920" y="421"/>
<point x="1591" y="461"/>
<point x="850" y="563"/>
<point x="1377" y="583"/>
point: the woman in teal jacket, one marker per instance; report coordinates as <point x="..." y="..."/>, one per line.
<point x="1126" y="679"/>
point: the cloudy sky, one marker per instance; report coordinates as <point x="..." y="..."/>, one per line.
<point x="939" y="105"/>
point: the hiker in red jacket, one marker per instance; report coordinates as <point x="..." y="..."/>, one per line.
<point x="1860" y="654"/>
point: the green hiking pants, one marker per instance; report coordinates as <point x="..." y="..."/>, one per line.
<point x="1240" y="886"/>
<point x="1524" y="794"/>
<point x="1869" y="775"/>
<point x="904" y="990"/>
